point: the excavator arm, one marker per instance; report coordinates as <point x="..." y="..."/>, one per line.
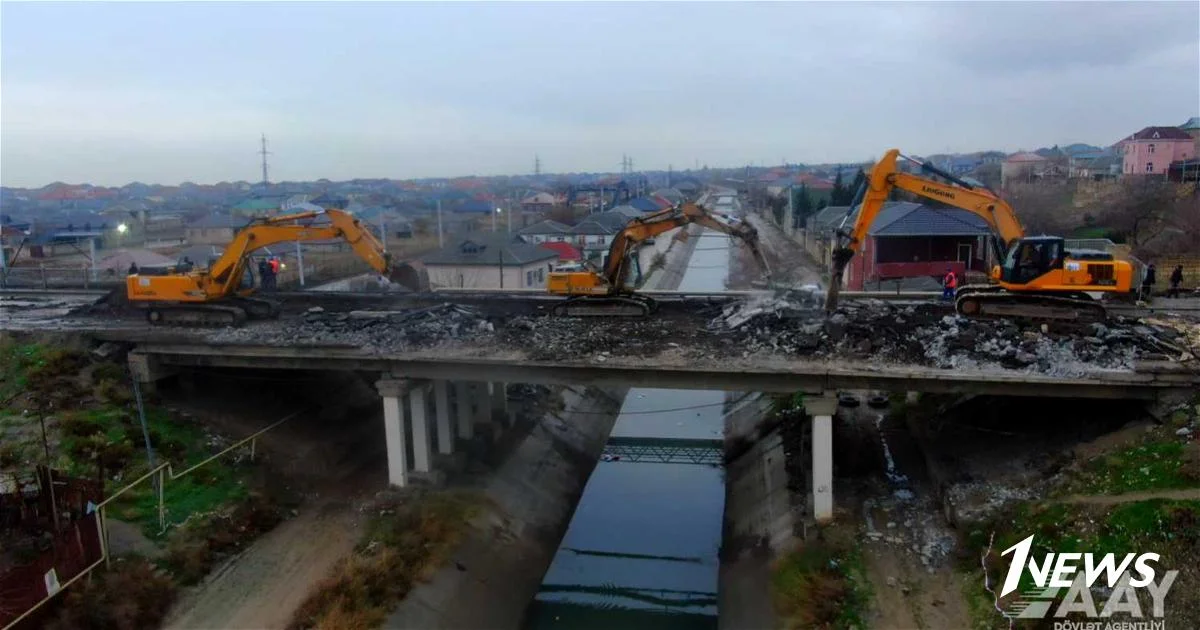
<point x="216" y="295"/>
<point x="226" y="272"/>
<point x="641" y="229"/>
<point x="886" y="176"/>
<point x="603" y="291"/>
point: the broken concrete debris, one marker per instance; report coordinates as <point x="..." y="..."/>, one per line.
<point x="791" y="324"/>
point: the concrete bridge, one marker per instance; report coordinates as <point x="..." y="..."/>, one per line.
<point x="433" y="398"/>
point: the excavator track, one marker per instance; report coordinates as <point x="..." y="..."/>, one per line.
<point x="605" y="306"/>
<point x="230" y="312"/>
<point x="995" y="302"/>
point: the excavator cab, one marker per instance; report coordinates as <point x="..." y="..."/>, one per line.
<point x="1031" y="258"/>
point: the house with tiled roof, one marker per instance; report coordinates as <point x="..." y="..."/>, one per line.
<point x="547" y="231"/>
<point x="911" y="240"/>
<point x="1023" y="166"/>
<point x="1151" y="150"/>
<point x="490" y="260"/>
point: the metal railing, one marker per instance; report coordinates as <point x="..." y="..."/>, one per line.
<point x="162" y="473"/>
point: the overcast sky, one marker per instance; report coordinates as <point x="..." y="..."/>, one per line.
<point x="167" y="92"/>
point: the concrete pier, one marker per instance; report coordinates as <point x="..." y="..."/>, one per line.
<point x="441" y="411"/>
<point x="821" y="409"/>
<point x="462" y="402"/>
<point x="391" y="390"/>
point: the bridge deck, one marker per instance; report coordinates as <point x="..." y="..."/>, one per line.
<point x="770" y="374"/>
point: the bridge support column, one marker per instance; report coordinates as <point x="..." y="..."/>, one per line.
<point x="418" y="405"/>
<point x="393" y="428"/>
<point x="500" y="404"/>
<point x="148" y="370"/>
<point x="441" y="410"/>
<point x="462" y="404"/>
<point x="482" y="399"/>
<point x="821" y="409"/>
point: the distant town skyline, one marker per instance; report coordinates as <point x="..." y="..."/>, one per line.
<point x="163" y="93"/>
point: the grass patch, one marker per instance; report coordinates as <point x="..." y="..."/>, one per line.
<point x="16" y="361"/>
<point x="1152" y="465"/>
<point x="1170" y="528"/>
<point x="399" y="550"/>
<point x="821" y="584"/>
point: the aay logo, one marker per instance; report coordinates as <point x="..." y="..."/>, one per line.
<point x="1079" y="572"/>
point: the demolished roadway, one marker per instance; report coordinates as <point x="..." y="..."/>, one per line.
<point x="766" y="328"/>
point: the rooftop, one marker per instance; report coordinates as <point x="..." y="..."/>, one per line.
<point x="1161" y="133"/>
<point x="490" y="249"/>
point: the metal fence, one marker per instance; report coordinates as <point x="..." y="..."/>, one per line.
<point x="93" y="526"/>
<point x="43" y="277"/>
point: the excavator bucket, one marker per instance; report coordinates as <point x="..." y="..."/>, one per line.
<point x="411" y="275"/>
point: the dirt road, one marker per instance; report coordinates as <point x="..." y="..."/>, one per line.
<point x="789" y="262"/>
<point x="263" y="586"/>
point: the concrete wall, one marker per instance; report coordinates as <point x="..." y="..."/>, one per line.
<point x="488" y="277"/>
<point x="511" y="545"/>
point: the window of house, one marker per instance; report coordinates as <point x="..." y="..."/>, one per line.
<point x="528" y="278"/>
<point x="1149" y="167"/>
<point x="541" y="275"/>
<point x="1151" y="148"/>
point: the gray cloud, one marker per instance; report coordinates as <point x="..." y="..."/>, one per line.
<point x="168" y="92"/>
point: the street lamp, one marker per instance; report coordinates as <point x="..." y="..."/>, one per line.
<point x="122" y="228"/>
<point x="494" y="219"/>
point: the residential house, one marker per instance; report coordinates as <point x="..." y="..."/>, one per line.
<point x="1151" y="150"/>
<point x="259" y="205"/>
<point x="214" y="229"/>
<point x="539" y="203"/>
<point x="547" y="231"/>
<point x="567" y="253"/>
<point x="1192" y="127"/>
<point x="910" y="240"/>
<point x="330" y="200"/>
<point x="1103" y="164"/>
<point x="490" y="261"/>
<point x="647" y="204"/>
<point x="817" y="237"/>
<point x="1023" y="167"/>
<point x="673" y="195"/>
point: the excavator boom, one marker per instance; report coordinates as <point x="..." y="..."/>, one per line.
<point x="604" y="292"/>
<point x="222" y="292"/>
<point x="1038" y="279"/>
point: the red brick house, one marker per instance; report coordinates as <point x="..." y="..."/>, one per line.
<point x="911" y="240"/>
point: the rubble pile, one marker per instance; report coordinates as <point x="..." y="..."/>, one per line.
<point x="924" y="334"/>
<point x="565" y="338"/>
<point x="377" y="331"/>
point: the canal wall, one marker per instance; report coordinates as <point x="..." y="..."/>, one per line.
<point x="499" y="566"/>
<point x="678" y="254"/>
<point x="760" y="520"/>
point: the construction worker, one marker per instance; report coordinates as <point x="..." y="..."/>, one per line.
<point x="949" y="284"/>
<point x="1176" y="281"/>
<point x="1148" y="283"/>
<point x="133" y="268"/>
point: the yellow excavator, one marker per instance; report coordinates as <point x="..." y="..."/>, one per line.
<point x="604" y="292"/>
<point x="1037" y="278"/>
<point x="222" y="294"/>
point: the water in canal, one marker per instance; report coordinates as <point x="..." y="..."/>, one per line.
<point x="641" y="549"/>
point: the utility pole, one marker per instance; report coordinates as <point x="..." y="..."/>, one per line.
<point x="537" y="165"/>
<point x="264" y="153"/>
<point x="439" y="217"/>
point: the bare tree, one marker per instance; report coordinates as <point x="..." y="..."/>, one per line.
<point x="1044" y="207"/>
<point x="1139" y="212"/>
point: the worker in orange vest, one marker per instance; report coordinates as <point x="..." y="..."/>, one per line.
<point x="949" y="284"/>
